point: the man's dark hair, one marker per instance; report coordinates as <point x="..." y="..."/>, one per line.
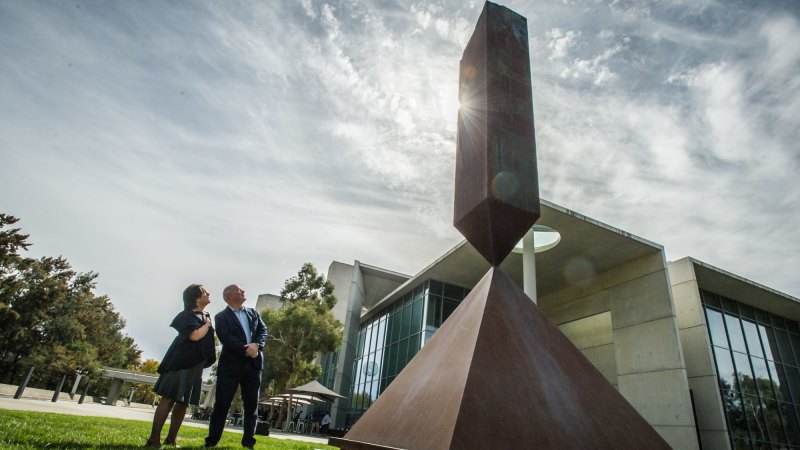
<point x="190" y="296"/>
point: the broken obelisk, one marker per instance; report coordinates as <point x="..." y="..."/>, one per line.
<point x="496" y="192"/>
<point x="498" y="374"/>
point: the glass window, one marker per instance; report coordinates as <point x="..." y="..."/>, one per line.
<point x="405" y="328"/>
<point x="360" y="345"/>
<point x="397" y="327"/>
<point x="768" y="340"/>
<point x="439" y="319"/>
<point x="716" y="328"/>
<point x="711" y="299"/>
<point x="448" y="307"/>
<point x="391" y="360"/>
<point x="758" y="426"/>
<point x="729" y="306"/>
<point x="416" y="316"/>
<point x="795" y="340"/>
<point x="791" y="326"/>
<point x="368" y="347"/>
<point x="793" y="380"/>
<point x="747" y="311"/>
<point x="366" y="390"/>
<point x="381" y="334"/>
<point x="417" y="293"/>
<point x="777" y="321"/>
<point x="790" y="423"/>
<point x="725" y="371"/>
<point x="785" y="348"/>
<point x="744" y="373"/>
<point x="384" y="385"/>
<point x="454" y="292"/>
<point x="751" y="336"/>
<point x="762" y="316"/>
<point x="735" y="333"/>
<point x="435" y="287"/>
<point x="430" y="317"/>
<point x="763" y="382"/>
<point x="741" y="444"/>
<point x="402" y="355"/>
<point x="389" y="380"/>
<point x="735" y="413"/>
<point x="428" y="336"/>
<point x="413" y="346"/>
<point x="779" y="381"/>
<point x="772" y="416"/>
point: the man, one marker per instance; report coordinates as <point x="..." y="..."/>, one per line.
<point x="242" y="333"/>
<point x="326" y="422"/>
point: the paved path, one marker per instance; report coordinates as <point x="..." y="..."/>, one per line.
<point x="124" y="412"/>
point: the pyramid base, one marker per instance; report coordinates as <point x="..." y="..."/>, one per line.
<point x="498" y="375"/>
<point x="348" y="444"/>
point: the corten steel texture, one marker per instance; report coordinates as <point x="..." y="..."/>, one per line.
<point x="498" y="375"/>
<point x="497" y="191"/>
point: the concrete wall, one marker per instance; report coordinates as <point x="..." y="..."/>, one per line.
<point x="341" y="275"/>
<point x="700" y="367"/>
<point x="646" y="350"/>
<point x="268" y="301"/>
<point x="594" y="337"/>
<point x="349" y="290"/>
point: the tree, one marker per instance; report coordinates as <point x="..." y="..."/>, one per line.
<point x="300" y="330"/>
<point x="144" y="392"/>
<point x="51" y="317"/>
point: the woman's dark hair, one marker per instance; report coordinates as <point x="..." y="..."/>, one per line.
<point x="190" y="296"/>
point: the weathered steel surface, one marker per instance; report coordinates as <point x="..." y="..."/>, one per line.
<point x="500" y="375"/>
<point x="496" y="192"/>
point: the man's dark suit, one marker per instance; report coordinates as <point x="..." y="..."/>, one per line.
<point x="235" y="369"/>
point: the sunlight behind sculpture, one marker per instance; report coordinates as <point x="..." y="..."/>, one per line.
<point x="498" y="374"/>
<point x="496" y="192"/>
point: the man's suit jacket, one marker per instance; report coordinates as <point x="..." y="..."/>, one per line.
<point x="230" y="333"/>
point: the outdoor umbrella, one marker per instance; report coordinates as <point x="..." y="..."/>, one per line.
<point x="313" y="388"/>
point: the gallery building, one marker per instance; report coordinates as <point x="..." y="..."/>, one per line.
<point x="708" y="358"/>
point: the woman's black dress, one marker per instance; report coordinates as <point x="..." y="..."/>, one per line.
<point x="181" y="370"/>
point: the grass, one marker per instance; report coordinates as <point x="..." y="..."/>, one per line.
<point x="37" y="430"/>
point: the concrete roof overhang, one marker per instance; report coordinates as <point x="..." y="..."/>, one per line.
<point x="379" y="282"/>
<point x="745" y="291"/>
<point x="587" y="248"/>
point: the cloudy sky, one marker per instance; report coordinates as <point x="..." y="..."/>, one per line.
<point x="163" y="143"/>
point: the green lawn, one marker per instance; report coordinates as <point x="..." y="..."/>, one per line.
<point x="36" y="430"/>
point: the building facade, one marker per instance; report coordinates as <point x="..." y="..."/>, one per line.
<point x="642" y="322"/>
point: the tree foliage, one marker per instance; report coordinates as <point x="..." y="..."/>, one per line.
<point x="144" y="392"/>
<point x="310" y="287"/>
<point x="300" y="330"/>
<point x="50" y="317"/>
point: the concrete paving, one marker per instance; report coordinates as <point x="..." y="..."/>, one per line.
<point x="126" y="412"/>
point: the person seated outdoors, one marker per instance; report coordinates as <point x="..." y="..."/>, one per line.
<point x="326" y="423"/>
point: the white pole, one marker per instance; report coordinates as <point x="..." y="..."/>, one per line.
<point x="529" y="265"/>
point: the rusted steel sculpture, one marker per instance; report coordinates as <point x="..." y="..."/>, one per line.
<point x="497" y="192"/>
<point x="498" y="374"/>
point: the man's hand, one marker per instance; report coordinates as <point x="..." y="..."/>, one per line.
<point x="251" y="350"/>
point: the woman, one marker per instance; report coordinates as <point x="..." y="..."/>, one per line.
<point x="181" y="371"/>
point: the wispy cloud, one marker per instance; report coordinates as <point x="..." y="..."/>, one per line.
<point x="165" y="143"/>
